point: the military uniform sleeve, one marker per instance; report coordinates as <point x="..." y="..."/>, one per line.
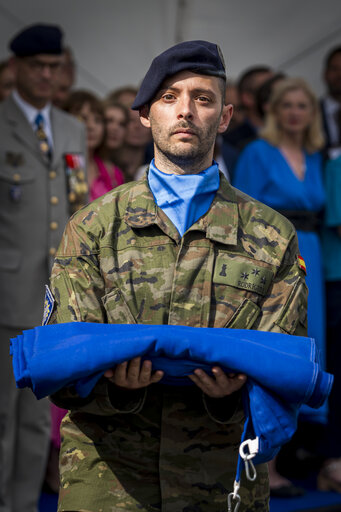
<point x="77" y="286"/>
<point x="284" y="308"/>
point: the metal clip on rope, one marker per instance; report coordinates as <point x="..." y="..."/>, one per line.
<point x="234" y="496"/>
<point x="252" y="446"/>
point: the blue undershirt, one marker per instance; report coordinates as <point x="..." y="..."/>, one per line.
<point x="184" y="198"/>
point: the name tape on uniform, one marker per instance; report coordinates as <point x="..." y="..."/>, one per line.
<point x="240" y="274"/>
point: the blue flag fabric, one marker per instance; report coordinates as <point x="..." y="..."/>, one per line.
<point x="283" y="371"/>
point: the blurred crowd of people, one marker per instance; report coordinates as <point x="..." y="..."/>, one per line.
<point x="283" y="147"/>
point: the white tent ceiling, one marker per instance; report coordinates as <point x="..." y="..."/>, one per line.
<point x="115" y="40"/>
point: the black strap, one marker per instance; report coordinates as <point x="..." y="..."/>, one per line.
<point x="303" y="220"/>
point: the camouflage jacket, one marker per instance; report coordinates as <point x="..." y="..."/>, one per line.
<point x="121" y="260"/>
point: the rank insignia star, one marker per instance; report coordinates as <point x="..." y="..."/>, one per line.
<point x="244" y="276"/>
<point x="263" y="280"/>
<point x="255" y="271"/>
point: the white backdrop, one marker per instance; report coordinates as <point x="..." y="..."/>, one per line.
<point x="114" y="40"/>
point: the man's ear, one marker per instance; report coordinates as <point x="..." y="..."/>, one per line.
<point x="225" y="119"/>
<point x="144" y="116"/>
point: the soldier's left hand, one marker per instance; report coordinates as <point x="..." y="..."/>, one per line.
<point x="220" y="385"/>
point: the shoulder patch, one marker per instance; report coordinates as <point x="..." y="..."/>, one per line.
<point x="301" y="264"/>
<point x="246" y="275"/>
<point x="48" y="305"/>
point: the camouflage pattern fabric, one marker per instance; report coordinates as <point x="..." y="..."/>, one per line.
<point x="121" y="260"/>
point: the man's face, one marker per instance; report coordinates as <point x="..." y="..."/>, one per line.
<point x="333" y="76"/>
<point x="63" y="89"/>
<point x="248" y="97"/>
<point x="185" y="117"/>
<point x="37" y="77"/>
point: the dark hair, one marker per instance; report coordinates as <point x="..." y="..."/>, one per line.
<point x="245" y="81"/>
<point x="116" y="104"/>
<point x="116" y="93"/>
<point x="264" y="92"/>
<point x="77" y="99"/>
<point x="334" y="51"/>
<point x="222" y="87"/>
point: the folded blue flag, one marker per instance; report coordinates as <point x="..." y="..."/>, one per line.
<point x="283" y="371"/>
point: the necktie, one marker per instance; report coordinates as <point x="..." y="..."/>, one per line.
<point x="42" y="137"/>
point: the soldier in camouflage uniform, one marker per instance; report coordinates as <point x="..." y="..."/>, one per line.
<point x="135" y="443"/>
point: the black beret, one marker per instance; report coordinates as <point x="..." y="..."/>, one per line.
<point x="37" y="39"/>
<point x="200" y="57"/>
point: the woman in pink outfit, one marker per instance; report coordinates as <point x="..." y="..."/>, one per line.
<point x="116" y="126"/>
<point x="103" y="175"/>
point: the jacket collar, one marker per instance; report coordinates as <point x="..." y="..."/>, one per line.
<point x="220" y="223"/>
<point x="23" y="130"/>
<point x="30" y="111"/>
<point x="20" y="124"/>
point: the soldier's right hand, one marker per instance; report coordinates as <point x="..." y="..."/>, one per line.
<point x="133" y="375"/>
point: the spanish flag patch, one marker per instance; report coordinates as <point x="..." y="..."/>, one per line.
<point x="301" y="264"/>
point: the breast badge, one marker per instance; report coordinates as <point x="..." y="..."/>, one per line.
<point x="14" y="159"/>
<point x="76" y="180"/>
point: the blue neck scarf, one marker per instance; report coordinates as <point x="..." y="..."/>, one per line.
<point x="184" y="198"/>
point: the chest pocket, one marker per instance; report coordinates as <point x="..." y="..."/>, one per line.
<point x="14" y="179"/>
<point x="239" y="285"/>
<point x="16" y="176"/>
<point x="14" y="169"/>
<point x="117" y="309"/>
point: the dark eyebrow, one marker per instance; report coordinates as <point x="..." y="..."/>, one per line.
<point x="199" y="90"/>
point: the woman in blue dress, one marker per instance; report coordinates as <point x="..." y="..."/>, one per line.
<point x="283" y="169"/>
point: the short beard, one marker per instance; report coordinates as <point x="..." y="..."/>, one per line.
<point x="193" y="160"/>
<point x="185" y="161"/>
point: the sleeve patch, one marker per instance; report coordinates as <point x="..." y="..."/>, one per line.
<point x="48" y="305"/>
<point x="301" y="264"/>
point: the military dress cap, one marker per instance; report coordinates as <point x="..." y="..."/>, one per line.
<point x="36" y="39"/>
<point x="201" y="57"/>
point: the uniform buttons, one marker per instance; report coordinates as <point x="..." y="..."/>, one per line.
<point x="52" y="175"/>
<point x="54" y="200"/>
<point x="53" y="226"/>
<point x="52" y="251"/>
<point x="16" y="177"/>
